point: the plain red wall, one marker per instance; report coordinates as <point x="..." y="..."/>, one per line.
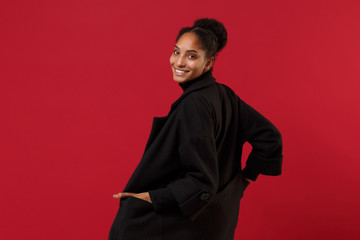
<point x="81" y="80"/>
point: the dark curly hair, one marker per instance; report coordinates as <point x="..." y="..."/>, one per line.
<point x="211" y="33"/>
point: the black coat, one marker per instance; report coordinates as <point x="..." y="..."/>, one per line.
<point x="191" y="167"/>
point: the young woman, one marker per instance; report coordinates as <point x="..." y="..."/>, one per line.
<point x="189" y="182"/>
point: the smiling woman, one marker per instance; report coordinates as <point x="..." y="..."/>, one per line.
<point x="188" y="60"/>
<point x="189" y="181"/>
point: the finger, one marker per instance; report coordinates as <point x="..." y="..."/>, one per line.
<point x="123" y="194"/>
<point x="119" y="195"/>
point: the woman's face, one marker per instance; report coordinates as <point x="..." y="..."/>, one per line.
<point x="188" y="61"/>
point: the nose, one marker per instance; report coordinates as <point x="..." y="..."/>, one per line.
<point x="180" y="62"/>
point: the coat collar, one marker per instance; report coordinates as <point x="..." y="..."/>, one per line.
<point x="193" y="85"/>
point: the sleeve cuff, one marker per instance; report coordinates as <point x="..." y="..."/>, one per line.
<point x="250" y="173"/>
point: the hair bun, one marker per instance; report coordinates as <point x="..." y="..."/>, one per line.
<point x="214" y="26"/>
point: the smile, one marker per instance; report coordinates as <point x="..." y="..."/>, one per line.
<point x="180" y="72"/>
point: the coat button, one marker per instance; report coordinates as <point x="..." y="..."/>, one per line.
<point x="205" y="196"/>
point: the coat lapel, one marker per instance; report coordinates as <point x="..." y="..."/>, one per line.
<point x="158" y="123"/>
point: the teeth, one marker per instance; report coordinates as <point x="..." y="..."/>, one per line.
<point x="179" y="71"/>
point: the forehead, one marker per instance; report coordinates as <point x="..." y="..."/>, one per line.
<point x="189" y="41"/>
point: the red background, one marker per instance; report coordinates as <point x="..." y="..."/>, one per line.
<point x="81" y="80"/>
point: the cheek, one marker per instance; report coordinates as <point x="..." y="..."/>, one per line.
<point x="191" y="64"/>
<point x="195" y="66"/>
<point x="172" y="59"/>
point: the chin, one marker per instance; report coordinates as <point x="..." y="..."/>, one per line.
<point x="179" y="79"/>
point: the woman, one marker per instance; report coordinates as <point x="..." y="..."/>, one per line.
<point x="189" y="181"/>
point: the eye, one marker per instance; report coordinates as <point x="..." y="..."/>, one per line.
<point x="176" y="52"/>
<point x="192" y="56"/>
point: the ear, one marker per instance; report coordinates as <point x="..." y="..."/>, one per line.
<point x="209" y="63"/>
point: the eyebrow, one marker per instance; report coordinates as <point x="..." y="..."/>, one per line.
<point x="187" y="50"/>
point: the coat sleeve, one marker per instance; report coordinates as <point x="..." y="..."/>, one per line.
<point x="266" y="141"/>
<point x="197" y="153"/>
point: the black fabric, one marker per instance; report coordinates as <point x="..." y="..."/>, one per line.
<point x="191" y="166"/>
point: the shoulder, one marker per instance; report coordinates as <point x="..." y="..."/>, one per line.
<point x="194" y="117"/>
<point x="196" y="102"/>
<point x="226" y="89"/>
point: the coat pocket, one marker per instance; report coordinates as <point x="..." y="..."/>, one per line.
<point x="138" y="220"/>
